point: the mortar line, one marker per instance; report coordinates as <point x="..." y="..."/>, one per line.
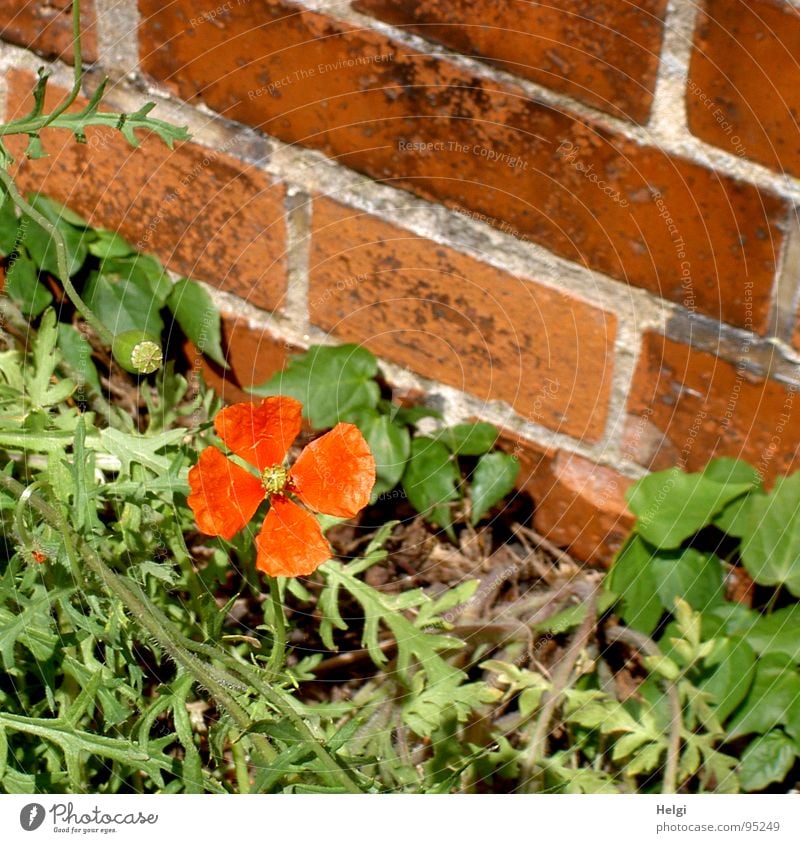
<point x="688" y="146"/>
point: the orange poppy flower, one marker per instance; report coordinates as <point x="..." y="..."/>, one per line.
<point x="334" y="475"/>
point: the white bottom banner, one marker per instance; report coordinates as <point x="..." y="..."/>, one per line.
<point x="392" y="819"/>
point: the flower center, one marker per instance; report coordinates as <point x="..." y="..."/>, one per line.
<point x="275" y="479"/>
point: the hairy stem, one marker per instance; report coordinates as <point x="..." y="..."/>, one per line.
<point x="61" y="257"/>
<point x="278" y="653"/>
<point x="156" y="624"/>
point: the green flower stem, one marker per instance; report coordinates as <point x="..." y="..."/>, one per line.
<point x="61" y="257"/>
<point x="278" y="653"/>
<point x="156" y="624"/>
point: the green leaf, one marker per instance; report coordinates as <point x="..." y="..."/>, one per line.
<point x="77" y="351"/>
<point x="771" y="545"/>
<point x="768" y="759"/>
<point x="146" y="271"/>
<point x="123" y="305"/>
<point x="632" y="577"/>
<point x="390" y="445"/>
<point x="778" y="632"/>
<point x="24" y="287"/>
<point x="329" y="381"/>
<point x="729" y="683"/>
<point x="109" y="244"/>
<point x="40" y="244"/>
<point x="8" y="225"/>
<point x="691" y="575"/>
<point x="469" y="440"/>
<point x="730" y="470"/>
<point x="493" y="478"/>
<point x="775" y="688"/>
<point x="143" y="450"/>
<point x="41" y="391"/>
<point x="672" y="506"/>
<point x="196" y="313"/>
<point x="431" y="480"/>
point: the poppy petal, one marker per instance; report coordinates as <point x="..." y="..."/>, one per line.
<point x="260" y="433"/>
<point x="224" y="496"/>
<point x="335" y="473"/>
<point x="290" y="543"/>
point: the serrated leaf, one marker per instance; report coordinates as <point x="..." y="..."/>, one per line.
<point x="132" y="448"/>
<point x="196" y="313"/>
<point x="41" y="392"/>
<point x="493" y="479"/>
<point x="330" y="382"/>
<point x="767" y="759"/>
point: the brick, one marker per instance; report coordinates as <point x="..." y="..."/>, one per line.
<point x="686" y="406"/>
<point x="203" y="212"/>
<point x="535" y="171"/>
<point x="743" y="93"/>
<point x="578" y="505"/>
<point x="450" y="317"/>
<point x="46" y="28"/>
<point x="253" y="355"/>
<point x="605" y="55"/>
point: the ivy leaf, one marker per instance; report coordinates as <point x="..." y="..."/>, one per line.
<point x="390" y="445"/>
<point x="146" y="271"/>
<point x="431" y="480"/>
<point x="672" y="505"/>
<point x="330" y="382"/>
<point x="109" y="244"/>
<point x="729" y="683"/>
<point x="24" y="287"/>
<point x="493" y="478"/>
<point x="469" y="440"/>
<point x="768" y="759"/>
<point x="694" y="576"/>
<point x="778" y="632"/>
<point x="771" y="545"/>
<point x="632" y="577"/>
<point x="40" y="244"/>
<point x="768" y="704"/>
<point x="196" y="313"/>
<point x="123" y="305"/>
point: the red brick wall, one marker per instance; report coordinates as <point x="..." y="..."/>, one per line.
<point x="576" y="220"/>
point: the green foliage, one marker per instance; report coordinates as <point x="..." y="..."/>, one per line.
<point x="746" y="663"/>
<point x="439" y="470"/>
<point x="129" y="292"/>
